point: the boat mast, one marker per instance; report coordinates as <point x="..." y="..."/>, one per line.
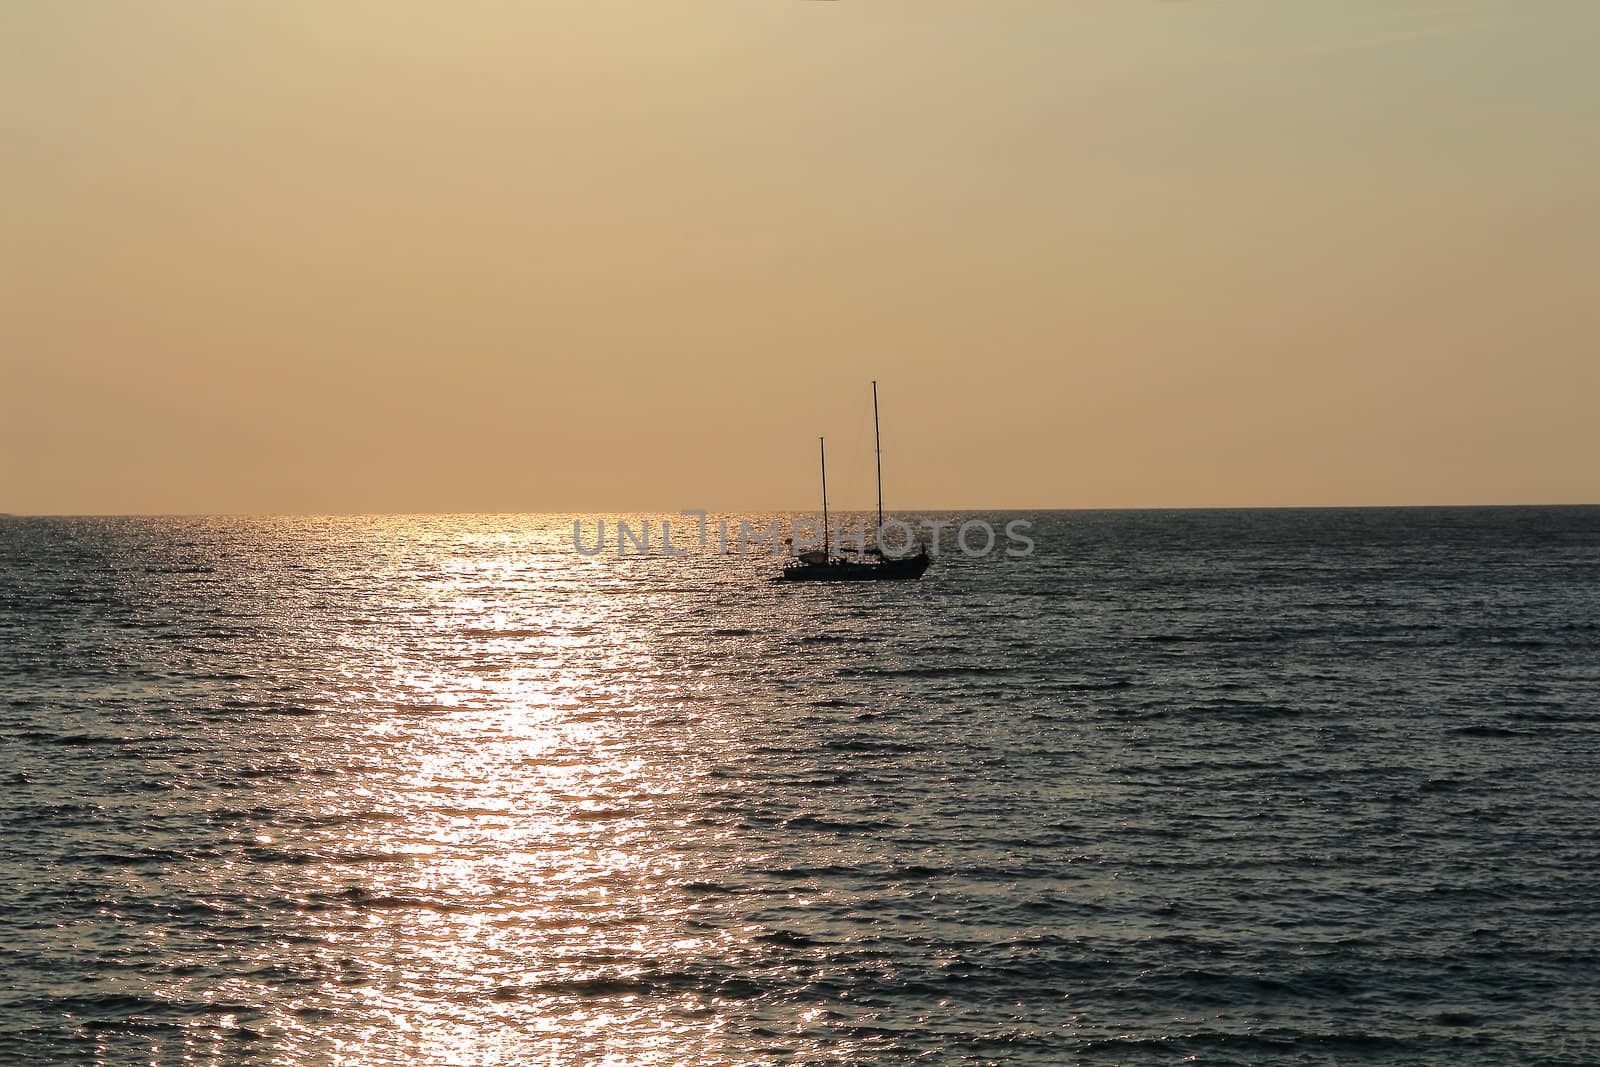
<point x="877" y="445"/>
<point x="822" y="448"/>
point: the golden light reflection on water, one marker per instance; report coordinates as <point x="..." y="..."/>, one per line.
<point x="485" y="853"/>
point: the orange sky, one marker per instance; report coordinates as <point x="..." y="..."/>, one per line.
<point x="392" y="256"/>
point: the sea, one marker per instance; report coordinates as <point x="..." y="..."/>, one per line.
<point x="1309" y="786"/>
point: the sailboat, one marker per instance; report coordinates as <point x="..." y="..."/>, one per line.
<point x="823" y="566"/>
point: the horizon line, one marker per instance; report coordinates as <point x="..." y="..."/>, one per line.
<point x="675" y="513"/>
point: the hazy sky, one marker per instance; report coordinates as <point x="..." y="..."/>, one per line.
<point x="375" y="255"/>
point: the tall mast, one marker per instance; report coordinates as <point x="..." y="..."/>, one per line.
<point x="877" y="445"/>
<point x="822" y="448"/>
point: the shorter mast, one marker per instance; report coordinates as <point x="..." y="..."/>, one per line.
<point x="822" y="448"/>
<point x="877" y="447"/>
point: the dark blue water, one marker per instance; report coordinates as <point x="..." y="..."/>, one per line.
<point x="1235" y="786"/>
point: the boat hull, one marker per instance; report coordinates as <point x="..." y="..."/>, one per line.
<point x="908" y="568"/>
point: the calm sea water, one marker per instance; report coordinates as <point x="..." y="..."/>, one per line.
<point x="1235" y="786"/>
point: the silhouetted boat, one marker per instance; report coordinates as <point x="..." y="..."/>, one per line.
<point x="823" y="566"/>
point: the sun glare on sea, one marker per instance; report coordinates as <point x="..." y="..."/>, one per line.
<point x="488" y="842"/>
